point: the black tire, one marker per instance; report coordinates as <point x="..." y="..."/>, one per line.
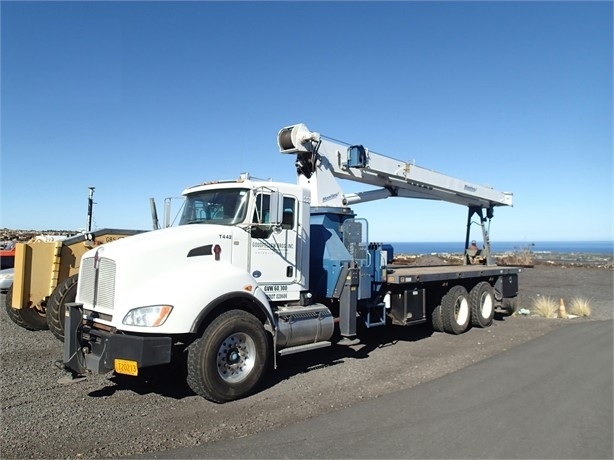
<point x="13" y="313"/>
<point x="436" y="319"/>
<point x="64" y="293"/>
<point x="230" y="359"/>
<point x="35" y="319"/>
<point x="482" y="302"/>
<point x="455" y="311"/>
<point x="31" y="319"/>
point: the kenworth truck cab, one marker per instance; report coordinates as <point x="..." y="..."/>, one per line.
<point x="261" y="269"/>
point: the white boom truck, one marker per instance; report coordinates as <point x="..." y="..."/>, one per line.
<point x="259" y="269"/>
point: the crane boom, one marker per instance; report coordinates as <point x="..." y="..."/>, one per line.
<point x="321" y="159"/>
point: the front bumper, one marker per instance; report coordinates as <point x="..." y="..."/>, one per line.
<point x="90" y="349"/>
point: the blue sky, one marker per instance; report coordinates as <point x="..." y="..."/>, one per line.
<point x="141" y="99"/>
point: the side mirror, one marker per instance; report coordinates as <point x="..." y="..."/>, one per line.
<point x="261" y="231"/>
<point x="269" y="216"/>
<point x="276" y="209"/>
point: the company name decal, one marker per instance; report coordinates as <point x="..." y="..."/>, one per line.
<point x="273" y="246"/>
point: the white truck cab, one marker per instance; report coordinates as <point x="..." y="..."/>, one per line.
<point x="240" y="236"/>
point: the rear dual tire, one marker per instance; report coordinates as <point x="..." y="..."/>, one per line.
<point x="460" y="309"/>
<point x="455" y="310"/>
<point x="436" y="320"/>
<point x="482" y="301"/>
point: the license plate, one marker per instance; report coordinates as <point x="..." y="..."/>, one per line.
<point x="127" y="367"/>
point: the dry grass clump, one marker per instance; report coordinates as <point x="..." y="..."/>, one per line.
<point x="523" y="257"/>
<point x="580" y="307"/>
<point x="545" y="307"/>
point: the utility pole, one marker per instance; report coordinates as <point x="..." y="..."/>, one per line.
<point x="90" y="205"/>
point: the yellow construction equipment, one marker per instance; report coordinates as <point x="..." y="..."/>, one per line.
<point x="46" y="270"/>
<point x="45" y="277"/>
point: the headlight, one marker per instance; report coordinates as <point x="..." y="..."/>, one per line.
<point x="152" y="316"/>
<point x="7" y="276"/>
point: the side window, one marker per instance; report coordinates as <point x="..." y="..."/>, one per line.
<point x="287" y="221"/>
<point x="261" y="213"/>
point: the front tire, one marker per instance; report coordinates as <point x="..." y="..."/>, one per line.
<point x="64" y="293"/>
<point x="455" y="311"/>
<point x="13" y="313"/>
<point x="230" y="359"/>
<point x="482" y="301"/>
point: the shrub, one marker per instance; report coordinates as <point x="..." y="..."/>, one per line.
<point x="525" y="256"/>
<point x="520" y="256"/>
<point x="545" y="307"/>
<point x="580" y="307"/>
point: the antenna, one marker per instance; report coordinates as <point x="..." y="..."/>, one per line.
<point x="90" y="205"/>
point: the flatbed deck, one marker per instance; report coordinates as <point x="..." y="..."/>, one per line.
<point x="402" y="274"/>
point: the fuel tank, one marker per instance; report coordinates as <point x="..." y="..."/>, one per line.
<point x="300" y="325"/>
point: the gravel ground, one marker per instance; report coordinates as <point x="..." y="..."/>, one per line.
<point x="106" y="416"/>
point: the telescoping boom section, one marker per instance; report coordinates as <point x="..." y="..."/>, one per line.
<point x="321" y="160"/>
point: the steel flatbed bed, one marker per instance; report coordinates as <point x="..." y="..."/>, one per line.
<point x="402" y="274"/>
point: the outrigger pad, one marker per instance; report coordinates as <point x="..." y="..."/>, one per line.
<point x="348" y="341"/>
<point x="72" y="376"/>
<point x="68" y="379"/>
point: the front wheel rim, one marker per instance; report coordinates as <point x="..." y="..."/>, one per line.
<point x="236" y="357"/>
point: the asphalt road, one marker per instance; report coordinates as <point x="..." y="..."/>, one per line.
<point x="551" y="397"/>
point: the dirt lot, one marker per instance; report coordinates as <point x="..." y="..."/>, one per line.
<point x="110" y="417"/>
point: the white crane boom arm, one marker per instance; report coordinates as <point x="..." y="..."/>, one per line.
<point x="320" y="160"/>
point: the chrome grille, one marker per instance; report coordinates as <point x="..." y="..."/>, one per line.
<point x="106" y="283"/>
<point x="87" y="278"/>
<point x="97" y="291"/>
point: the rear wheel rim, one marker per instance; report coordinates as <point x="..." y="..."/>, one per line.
<point x="461" y="310"/>
<point x="486" y="305"/>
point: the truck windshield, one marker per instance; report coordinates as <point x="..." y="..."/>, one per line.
<point x="222" y="207"/>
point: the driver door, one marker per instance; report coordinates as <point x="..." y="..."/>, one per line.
<point x="273" y="261"/>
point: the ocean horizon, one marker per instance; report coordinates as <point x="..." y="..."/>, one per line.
<point x="537" y="247"/>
